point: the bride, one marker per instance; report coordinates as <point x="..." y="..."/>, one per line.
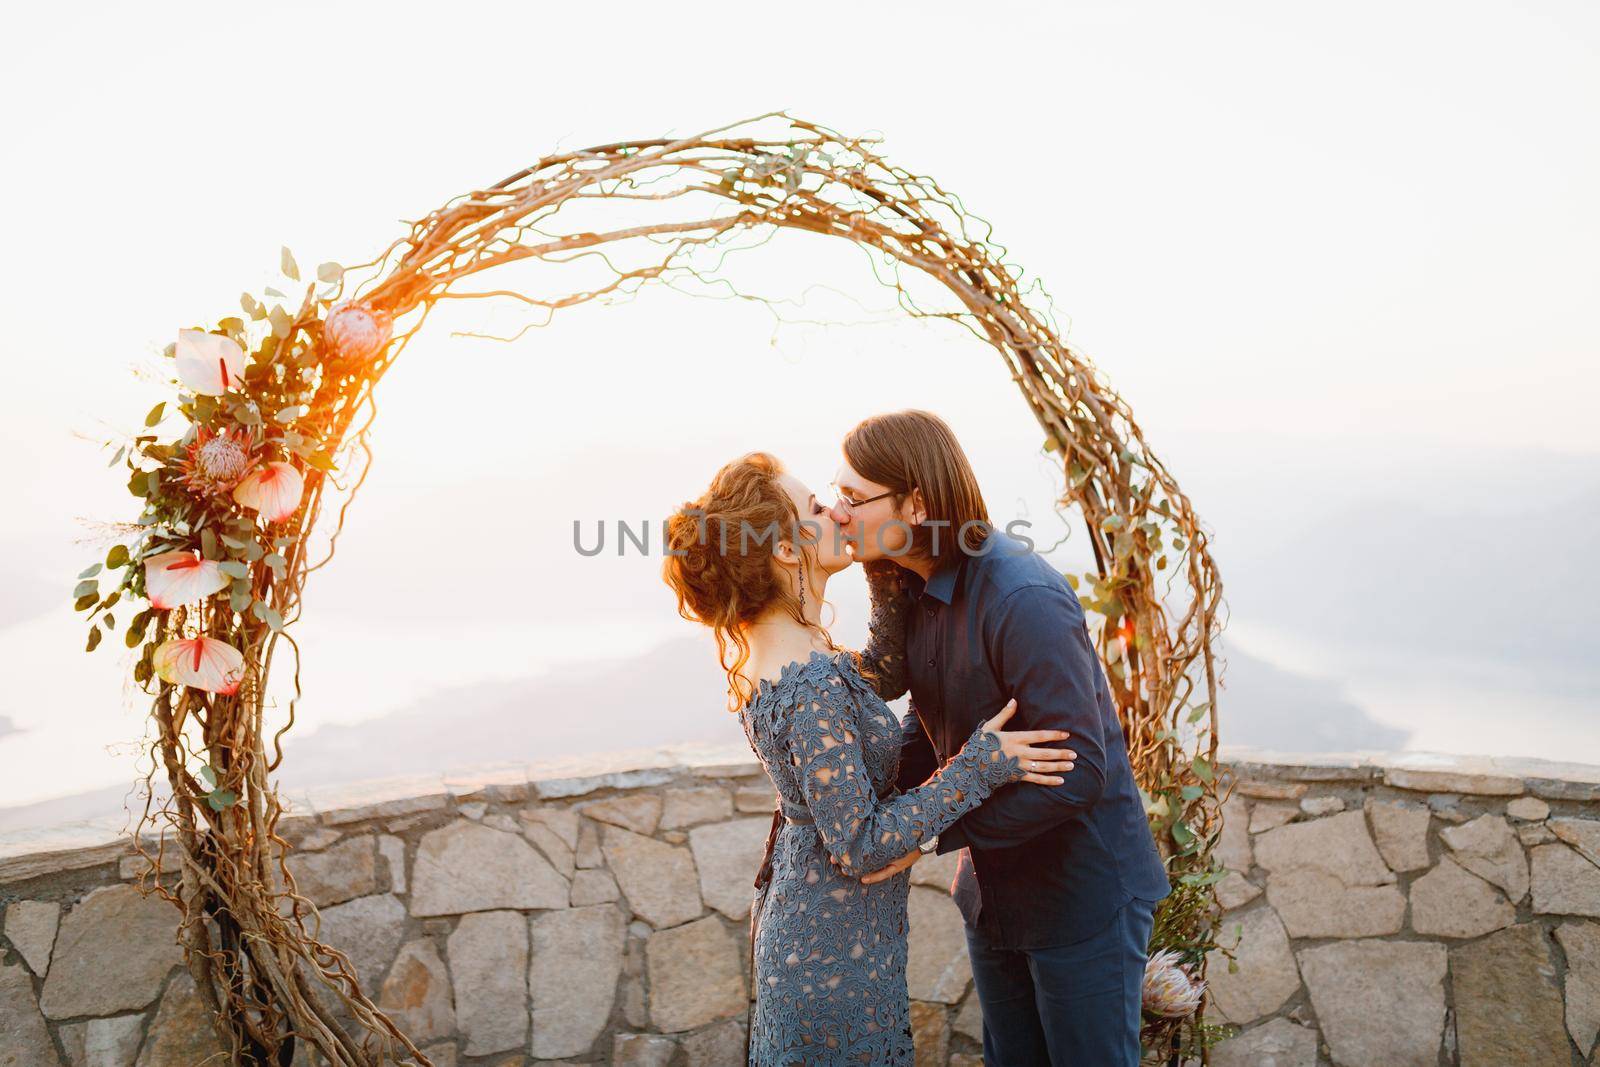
<point x="751" y="559"/>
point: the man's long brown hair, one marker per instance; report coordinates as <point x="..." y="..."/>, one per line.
<point x="914" y="449"/>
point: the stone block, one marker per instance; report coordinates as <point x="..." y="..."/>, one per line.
<point x="1507" y="1003"/>
<point x="1380" y="1003"/>
<point x="695" y="976"/>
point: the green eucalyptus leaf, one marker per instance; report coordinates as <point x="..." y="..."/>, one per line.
<point x="117" y="557"/>
<point x="94" y="639"/>
<point x="86" y="588"/>
<point x="329" y="272"/>
<point x="234" y="569"/>
<point x="85" y="602"/>
<point x="286" y="263"/>
<point x="90" y="571"/>
<point x="155" y="414"/>
<point x="280" y="321"/>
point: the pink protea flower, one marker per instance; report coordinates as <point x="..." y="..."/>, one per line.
<point x="215" y="461"/>
<point x="181" y="577"/>
<point x="1169" y="991"/>
<point x="273" y="490"/>
<point x="356" y="333"/>
<point x="201" y="662"/>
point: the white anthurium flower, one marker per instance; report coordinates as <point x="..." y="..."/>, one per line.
<point x="175" y="578"/>
<point x="201" y="662"/>
<point x="208" y="363"/>
<point x="272" y="490"/>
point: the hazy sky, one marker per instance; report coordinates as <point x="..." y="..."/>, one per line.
<point x="1335" y="234"/>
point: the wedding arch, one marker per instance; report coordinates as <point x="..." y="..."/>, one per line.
<point x="277" y="403"/>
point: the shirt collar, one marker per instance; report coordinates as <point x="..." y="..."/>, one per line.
<point x="942" y="582"/>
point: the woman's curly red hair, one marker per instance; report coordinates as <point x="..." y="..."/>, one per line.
<point x="718" y="567"/>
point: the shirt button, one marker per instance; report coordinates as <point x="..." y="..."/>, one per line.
<point x="930" y="663"/>
<point x="931" y="610"/>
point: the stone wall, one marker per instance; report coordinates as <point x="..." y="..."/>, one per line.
<point x="1409" y="910"/>
<point x="1394" y="911"/>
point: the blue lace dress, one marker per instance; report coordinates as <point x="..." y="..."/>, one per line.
<point x="829" y="953"/>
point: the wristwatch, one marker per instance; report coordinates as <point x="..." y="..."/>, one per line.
<point x="928" y="846"/>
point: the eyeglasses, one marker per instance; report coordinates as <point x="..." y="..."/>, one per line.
<point x="850" y="505"/>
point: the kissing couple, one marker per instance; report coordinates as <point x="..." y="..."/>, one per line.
<point x="1011" y="754"/>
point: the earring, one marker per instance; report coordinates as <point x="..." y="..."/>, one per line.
<point x="802" y="586"/>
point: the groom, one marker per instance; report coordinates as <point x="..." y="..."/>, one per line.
<point x="1057" y="884"/>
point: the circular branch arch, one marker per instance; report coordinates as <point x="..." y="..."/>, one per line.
<point x="293" y="407"/>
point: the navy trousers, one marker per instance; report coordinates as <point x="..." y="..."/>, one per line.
<point x="1071" y="1005"/>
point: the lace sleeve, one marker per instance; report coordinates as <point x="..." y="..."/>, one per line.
<point x="883" y="661"/>
<point x="862" y="832"/>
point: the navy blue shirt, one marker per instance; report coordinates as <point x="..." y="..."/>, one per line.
<point x="1044" y="864"/>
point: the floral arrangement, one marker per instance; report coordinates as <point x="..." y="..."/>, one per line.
<point x="223" y="496"/>
<point x="218" y="553"/>
<point x="270" y="402"/>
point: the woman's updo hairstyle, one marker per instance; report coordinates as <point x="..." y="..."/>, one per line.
<point x="727" y="581"/>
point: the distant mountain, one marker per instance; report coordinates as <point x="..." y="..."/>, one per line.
<point x="26" y="594"/>
<point x="1268" y="707"/>
<point x="1439" y="581"/>
<point x="671" y="694"/>
<point x="674" y="694"/>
